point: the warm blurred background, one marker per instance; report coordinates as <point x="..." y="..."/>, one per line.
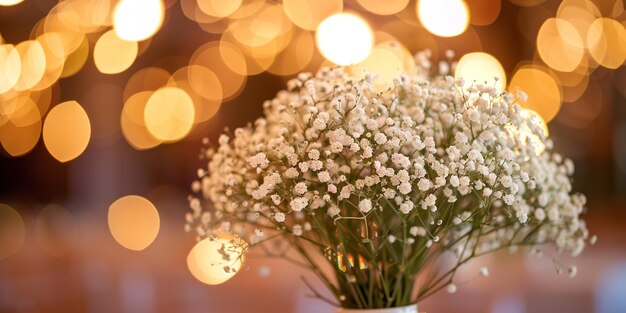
<point x="100" y="99"/>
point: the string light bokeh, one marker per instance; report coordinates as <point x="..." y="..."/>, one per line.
<point x="104" y="98"/>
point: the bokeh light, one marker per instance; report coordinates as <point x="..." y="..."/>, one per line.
<point x="308" y="14"/>
<point x="76" y="60"/>
<point x="226" y="61"/>
<point x="12" y="231"/>
<point x="219" y="8"/>
<point x="69" y="38"/>
<point x="559" y="45"/>
<point x="133" y="125"/>
<point x="296" y="56"/>
<point x="136" y="20"/>
<point x="344" y="39"/>
<point x="606" y="41"/>
<point x="383" y="7"/>
<point x="206" y="103"/>
<point x="579" y="14"/>
<point x="444" y="18"/>
<point x="268" y="23"/>
<point x="56" y="54"/>
<point x="33" y="64"/>
<point x="543" y="90"/>
<point x="9" y="2"/>
<point x="231" y="56"/>
<point x="146" y="79"/>
<point x="113" y="55"/>
<point x="84" y="16"/>
<point x="134" y="222"/>
<point x="169" y="114"/>
<point x="204" y="82"/>
<point x="66" y="131"/>
<point x="18" y="140"/>
<point x="481" y="68"/>
<point x="206" y="260"/>
<point x="10" y="67"/>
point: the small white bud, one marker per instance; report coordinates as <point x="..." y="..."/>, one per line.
<point x="451" y="288"/>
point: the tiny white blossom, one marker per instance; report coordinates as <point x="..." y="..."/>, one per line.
<point x="424" y="184"/>
<point x="279" y="217"/>
<point x="323" y="176"/>
<point x="391" y="238"/>
<point x="430" y="200"/>
<point x="404" y="188"/>
<point x="333" y="210"/>
<point x="365" y="205"/>
<point x="451" y="288"/>
<point x="406" y="207"/>
<point x="484" y="271"/>
<point x="300" y="188"/>
<point x="298" y="204"/>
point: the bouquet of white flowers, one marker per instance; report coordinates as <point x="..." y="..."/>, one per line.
<point x="385" y="184"/>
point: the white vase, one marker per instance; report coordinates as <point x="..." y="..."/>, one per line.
<point x="401" y="309"/>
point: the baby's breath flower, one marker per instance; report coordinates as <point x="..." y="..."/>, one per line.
<point x="365" y="205"/>
<point x="484" y="271"/>
<point x="298" y="204"/>
<point x="451" y="288"/>
<point x="431" y="163"/>
<point x="279" y="217"/>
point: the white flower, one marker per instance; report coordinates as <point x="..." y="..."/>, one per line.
<point x="522" y="95"/>
<point x="321" y="120"/>
<point x="406" y="207"/>
<point x="484" y="271"/>
<point x="323" y="176"/>
<point x="487" y="192"/>
<point x="279" y="217"/>
<point x="365" y="205"/>
<point x="454" y="181"/>
<point x="508" y="199"/>
<point x="430" y="200"/>
<point x="291" y="172"/>
<point x="258" y="160"/>
<point x="298" y="204"/>
<point x="300" y="188"/>
<point x="380" y="138"/>
<point x="424" y="184"/>
<point x="333" y="210"/>
<point x="404" y="188"/>
<point x="391" y="238"/>
<point x="451" y="288"/>
<point x="314" y="154"/>
<point x="332" y="188"/>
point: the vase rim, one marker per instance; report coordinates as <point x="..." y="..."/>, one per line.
<point x="411" y="308"/>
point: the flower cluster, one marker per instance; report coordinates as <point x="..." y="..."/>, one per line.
<point x="396" y="178"/>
